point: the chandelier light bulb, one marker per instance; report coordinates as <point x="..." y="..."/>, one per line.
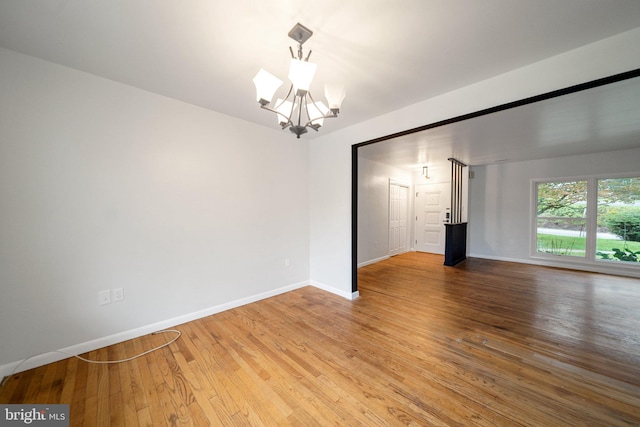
<point x="335" y="94"/>
<point x="284" y="109"/>
<point x="425" y="172"/>
<point x="301" y="74"/>
<point x="266" y="86"/>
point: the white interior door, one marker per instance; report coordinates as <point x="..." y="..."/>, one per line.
<point x="432" y="212"/>
<point x="398" y="213"/>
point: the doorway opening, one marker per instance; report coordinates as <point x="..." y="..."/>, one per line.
<point x="444" y="123"/>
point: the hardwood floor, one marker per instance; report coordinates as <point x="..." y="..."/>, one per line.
<point x="485" y="343"/>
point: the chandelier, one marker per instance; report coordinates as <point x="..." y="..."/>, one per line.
<point x="298" y="110"/>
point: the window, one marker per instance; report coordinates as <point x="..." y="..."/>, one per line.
<point x="618" y="220"/>
<point x="562" y="218"/>
<point x="592" y="219"/>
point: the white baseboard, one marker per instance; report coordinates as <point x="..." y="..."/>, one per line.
<point x="343" y="294"/>
<point x="373" y="261"/>
<point x="569" y="265"/>
<point x="50" y="357"/>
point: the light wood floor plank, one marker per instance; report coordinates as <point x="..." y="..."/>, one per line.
<point x="486" y="343"/>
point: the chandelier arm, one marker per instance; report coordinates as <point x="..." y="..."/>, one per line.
<point x="306" y="110"/>
<point x="313" y="101"/>
<point x="311" y="124"/>
<point x="275" y="109"/>
<point x="300" y="104"/>
<point x="329" y="115"/>
<point x="324" y="116"/>
<point x="288" y="119"/>
<point x="286" y="97"/>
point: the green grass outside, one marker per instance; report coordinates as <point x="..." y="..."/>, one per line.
<point x="575" y="246"/>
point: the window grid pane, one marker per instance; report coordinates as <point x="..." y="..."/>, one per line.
<point x="561" y="227"/>
<point x="618" y="237"/>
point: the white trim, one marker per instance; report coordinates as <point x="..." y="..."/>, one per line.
<point x="393" y="181"/>
<point x="324" y="287"/>
<point x="373" y="261"/>
<point x="571" y="266"/>
<point x="46" y="358"/>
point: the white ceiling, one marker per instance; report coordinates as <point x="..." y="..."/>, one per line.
<point x="390" y="54"/>
<point x="604" y="118"/>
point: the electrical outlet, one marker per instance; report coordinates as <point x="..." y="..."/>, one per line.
<point x="117" y="294"/>
<point x="104" y="297"/>
<point x="287" y="263"/>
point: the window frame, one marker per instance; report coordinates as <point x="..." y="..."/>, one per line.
<point x="591" y="217"/>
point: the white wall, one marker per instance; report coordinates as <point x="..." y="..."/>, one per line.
<point x="105" y="186"/>
<point x="500" y="201"/>
<point x="330" y="168"/>
<point x="373" y="208"/>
